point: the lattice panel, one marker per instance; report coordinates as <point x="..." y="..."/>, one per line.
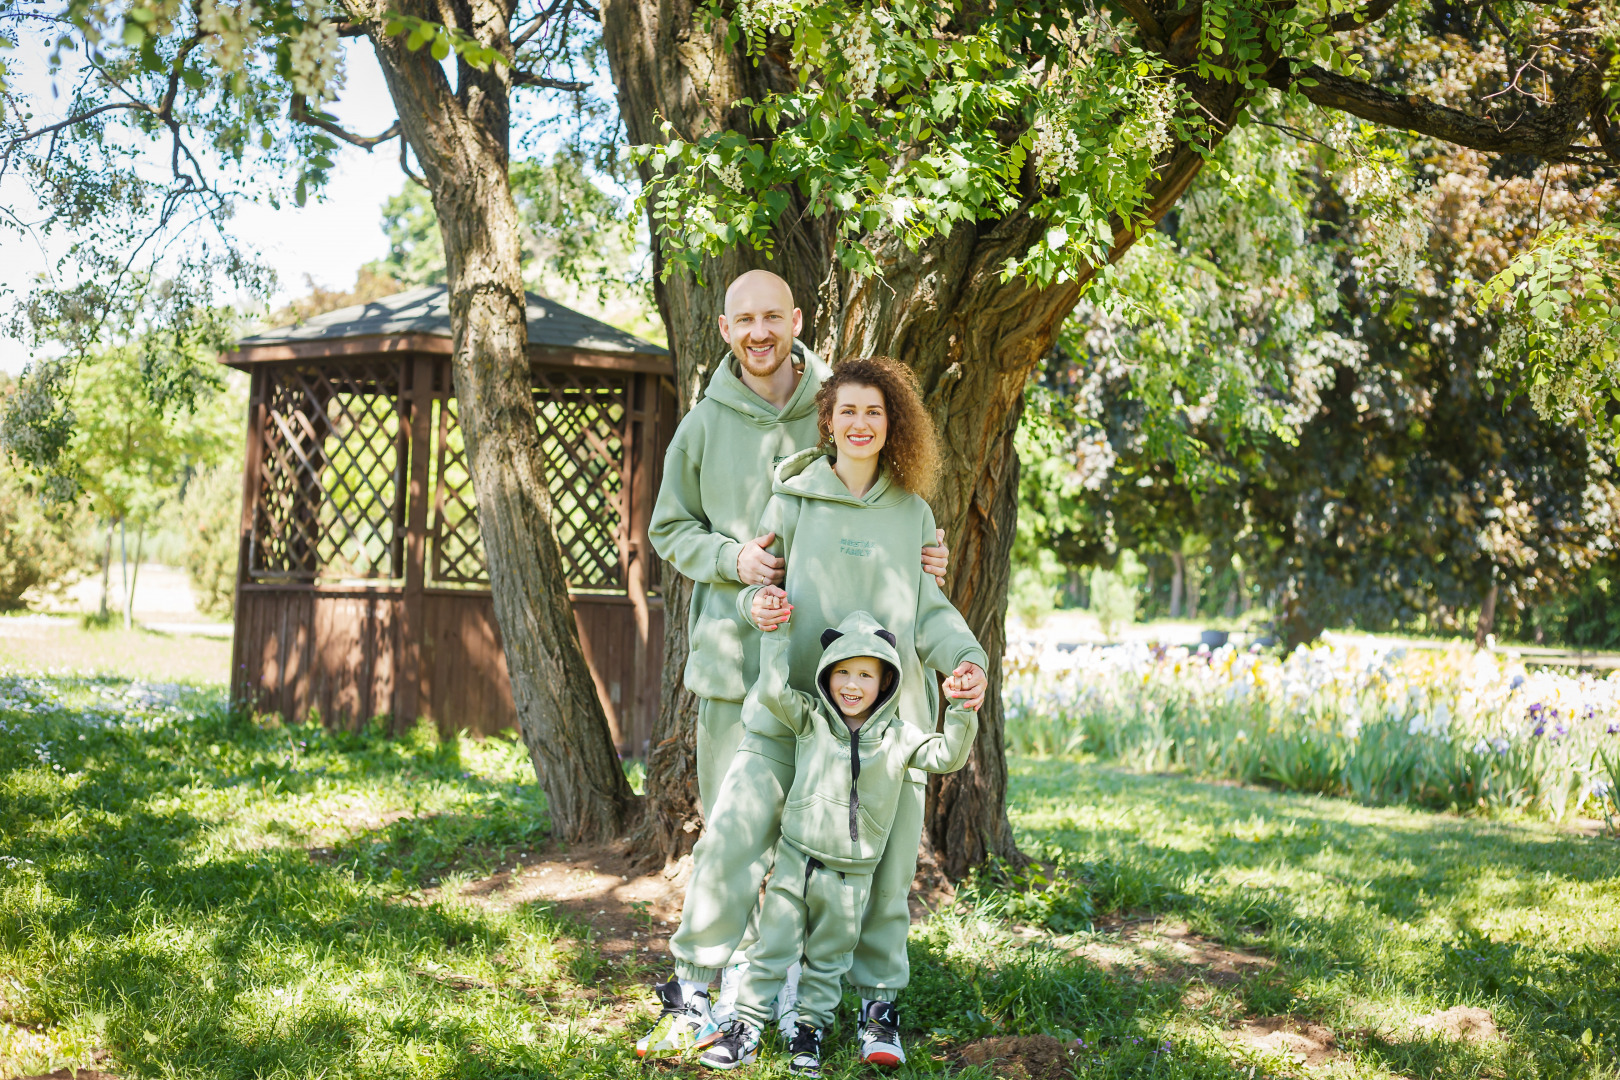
<point x="584" y="423"/>
<point x="331" y="502"/>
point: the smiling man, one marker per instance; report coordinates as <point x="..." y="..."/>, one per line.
<point x="758" y="408"/>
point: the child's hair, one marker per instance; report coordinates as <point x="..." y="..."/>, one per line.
<point x="911" y="449"/>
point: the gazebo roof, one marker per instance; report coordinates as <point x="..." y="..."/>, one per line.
<point x="419" y="321"/>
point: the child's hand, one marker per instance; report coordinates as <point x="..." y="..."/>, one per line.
<point x="967" y="684"/>
<point x="770" y="608"/>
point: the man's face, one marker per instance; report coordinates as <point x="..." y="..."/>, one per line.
<point x="760" y="323"/>
<point x="855" y="685"/>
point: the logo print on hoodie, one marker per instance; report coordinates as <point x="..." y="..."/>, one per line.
<point x="862" y="548"/>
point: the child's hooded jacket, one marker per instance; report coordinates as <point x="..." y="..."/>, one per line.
<point x="703" y="516"/>
<point x="845" y="551"/>
<point x="846" y="787"/>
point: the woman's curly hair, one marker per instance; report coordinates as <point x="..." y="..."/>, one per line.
<point x="911" y="449"/>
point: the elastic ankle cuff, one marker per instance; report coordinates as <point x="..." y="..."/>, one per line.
<point x="876" y="993"/>
<point x="695" y="974"/>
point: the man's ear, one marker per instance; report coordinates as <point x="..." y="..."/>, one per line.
<point x="887" y="636"/>
<point x="829" y="635"/>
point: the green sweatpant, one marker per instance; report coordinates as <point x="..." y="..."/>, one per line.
<point x="731" y="859"/>
<point x="882" y="969"/>
<point x="810" y="912"/>
<point x="719" y="731"/>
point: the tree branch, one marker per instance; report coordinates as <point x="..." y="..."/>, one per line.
<point x="299" y="112"/>
<point x="1355" y="20"/>
<point x="529" y="78"/>
<point x="1548" y="134"/>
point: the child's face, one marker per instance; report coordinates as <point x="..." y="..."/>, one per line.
<point x="855" y="684"/>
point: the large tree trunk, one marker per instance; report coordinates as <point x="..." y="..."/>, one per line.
<point x="972" y="338"/>
<point x="460" y="138"/>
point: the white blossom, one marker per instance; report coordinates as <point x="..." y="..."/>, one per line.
<point x="317" y="62"/>
<point x="230" y="29"/>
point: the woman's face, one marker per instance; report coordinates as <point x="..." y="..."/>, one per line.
<point x="860" y="423"/>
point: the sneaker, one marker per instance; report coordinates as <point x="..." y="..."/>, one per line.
<point x="804" y="1051"/>
<point x="684" y="1024"/>
<point x="787" y="1003"/>
<point x="725" y="1005"/>
<point x="738" y="1044"/>
<point x="879" y="1033"/>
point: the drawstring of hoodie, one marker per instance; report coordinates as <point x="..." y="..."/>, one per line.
<point x="854" y="775"/>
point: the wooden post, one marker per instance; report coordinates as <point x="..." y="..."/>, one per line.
<point x="242" y="689"/>
<point x="411" y="690"/>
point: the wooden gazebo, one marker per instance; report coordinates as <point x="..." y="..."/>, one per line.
<point x="362" y="589"/>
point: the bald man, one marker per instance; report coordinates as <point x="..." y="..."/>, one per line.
<point x="758" y="408"/>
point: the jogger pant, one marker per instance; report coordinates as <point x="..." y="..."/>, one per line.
<point x="809" y="911"/>
<point x="719" y="731"/>
<point x="731" y="859"/>
<point x="882" y="969"/>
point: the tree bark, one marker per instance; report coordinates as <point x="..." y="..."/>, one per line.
<point x="1178" y="577"/>
<point x="1487" y="614"/>
<point x="460" y="137"/>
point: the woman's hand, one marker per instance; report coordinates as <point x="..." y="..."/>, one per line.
<point x="770" y="609"/>
<point x="937" y="559"/>
<point x="967" y="685"/>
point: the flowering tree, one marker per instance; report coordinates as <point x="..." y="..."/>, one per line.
<point x="940" y="182"/>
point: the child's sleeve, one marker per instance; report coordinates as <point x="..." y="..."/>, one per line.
<point x="793" y="708"/>
<point x="947" y="751"/>
<point x="780" y="516"/>
<point x="942" y="637"/>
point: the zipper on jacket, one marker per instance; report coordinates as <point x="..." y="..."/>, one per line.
<point x="854" y="794"/>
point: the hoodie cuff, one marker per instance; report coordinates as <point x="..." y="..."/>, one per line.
<point x="725" y="561"/>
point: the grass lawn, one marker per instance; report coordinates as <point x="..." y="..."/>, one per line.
<point x="184" y="893"/>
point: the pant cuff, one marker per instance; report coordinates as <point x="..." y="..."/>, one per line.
<point x="876" y="993"/>
<point x="686" y="971"/>
<point x="758" y="1019"/>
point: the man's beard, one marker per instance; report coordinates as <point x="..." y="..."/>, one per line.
<point x="777" y="358"/>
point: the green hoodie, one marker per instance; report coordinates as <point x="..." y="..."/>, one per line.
<point x="846" y="786"/>
<point x="704" y="516"/>
<point x="845" y="553"/>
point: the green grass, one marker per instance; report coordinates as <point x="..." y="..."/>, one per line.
<point x="200" y="896"/>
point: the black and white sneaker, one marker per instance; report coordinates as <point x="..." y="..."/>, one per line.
<point x="804" y="1052"/>
<point x="738" y="1045"/>
<point x="683" y="1024"/>
<point x="879" y="1033"/>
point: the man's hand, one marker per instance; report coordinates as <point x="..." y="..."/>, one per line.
<point x="967" y="684"/>
<point x="756" y="566"/>
<point x="936" y="559"/>
<point x="770" y="609"/>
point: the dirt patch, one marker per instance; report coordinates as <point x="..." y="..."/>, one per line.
<point x="1171" y="950"/>
<point x="1467" y="1023"/>
<point x="1305" y="1042"/>
<point x="630" y="910"/>
<point x="72" y="1074"/>
<point x="1021" y="1057"/>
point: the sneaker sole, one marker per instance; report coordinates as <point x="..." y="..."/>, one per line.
<point x="746" y="1059"/>
<point x="887" y="1060"/>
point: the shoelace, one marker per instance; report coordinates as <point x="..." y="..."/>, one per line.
<point x="806" y="1040"/>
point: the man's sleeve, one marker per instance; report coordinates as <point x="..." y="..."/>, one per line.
<point x="680" y="532"/>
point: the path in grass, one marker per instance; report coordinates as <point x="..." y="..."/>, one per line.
<point x="183" y="894"/>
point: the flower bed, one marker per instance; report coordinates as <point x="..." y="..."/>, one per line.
<point x="1449" y="729"/>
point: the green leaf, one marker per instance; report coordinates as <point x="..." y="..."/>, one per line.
<point x="441" y="49"/>
<point x="134" y="35"/>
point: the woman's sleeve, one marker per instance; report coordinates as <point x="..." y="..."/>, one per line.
<point x="780" y="516"/>
<point x="943" y="638"/>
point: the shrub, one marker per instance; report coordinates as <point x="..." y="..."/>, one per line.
<point x="36" y="548"/>
<point x="212" y="511"/>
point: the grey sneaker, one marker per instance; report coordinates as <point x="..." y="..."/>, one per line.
<point x="738" y="1044"/>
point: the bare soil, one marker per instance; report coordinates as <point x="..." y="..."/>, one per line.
<point x="1466" y="1023"/>
<point x="1021" y="1057"/>
<point x="1304" y="1041"/>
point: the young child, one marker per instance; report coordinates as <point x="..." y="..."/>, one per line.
<point x="851" y="757"/>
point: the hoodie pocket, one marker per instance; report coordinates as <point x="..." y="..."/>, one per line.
<point x="715" y="667"/>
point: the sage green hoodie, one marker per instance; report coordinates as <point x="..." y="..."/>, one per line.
<point x="717" y="480"/>
<point x="847" y="785"/>
<point x="846" y="553"/>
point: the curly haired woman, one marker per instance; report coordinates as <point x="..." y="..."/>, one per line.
<point x="847" y="517"/>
